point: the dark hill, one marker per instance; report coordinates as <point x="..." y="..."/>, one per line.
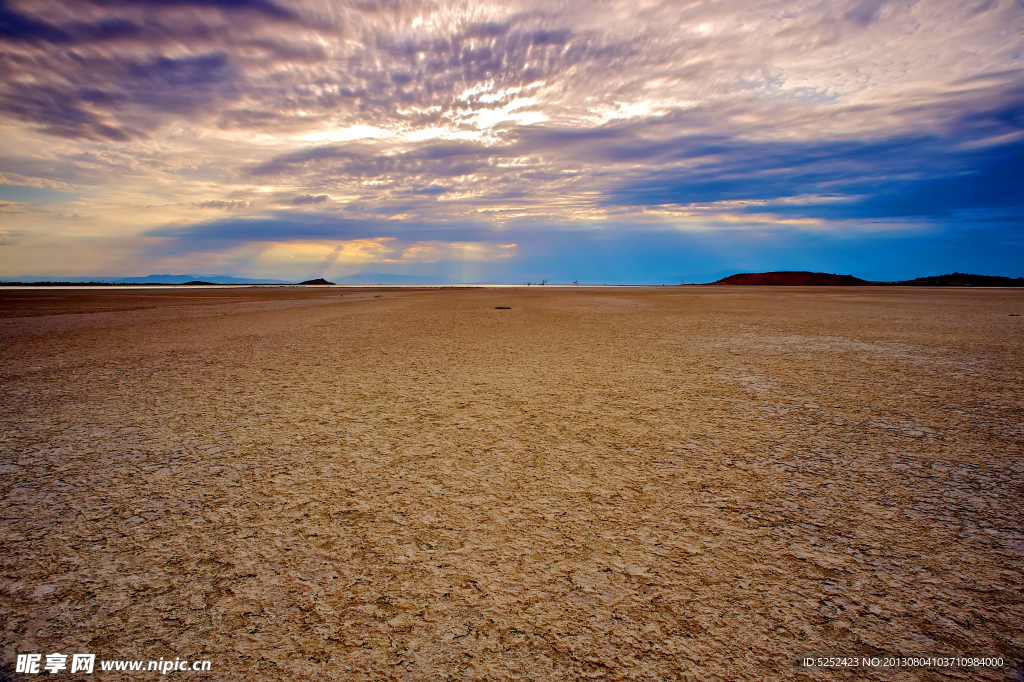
<point x="959" y="279"/>
<point x="319" y="280"/>
<point x="793" y="279"/>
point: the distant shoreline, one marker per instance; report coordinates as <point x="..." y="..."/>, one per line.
<point x="779" y="278"/>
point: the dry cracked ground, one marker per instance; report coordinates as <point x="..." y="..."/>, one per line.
<point x="695" y="483"/>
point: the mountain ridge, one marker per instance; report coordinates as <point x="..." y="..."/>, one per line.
<point x="806" y="278"/>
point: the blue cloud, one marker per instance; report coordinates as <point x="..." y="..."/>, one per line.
<point x="280" y="226"/>
<point x="185" y="72"/>
<point x="899" y="177"/>
<point x="21" y="28"/>
<point x="264" y="7"/>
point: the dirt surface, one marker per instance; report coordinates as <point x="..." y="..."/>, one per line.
<point x="19" y="302"/>
<point x="667" y="483"/>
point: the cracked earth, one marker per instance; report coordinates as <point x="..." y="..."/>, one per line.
<point x="655" y="483"/>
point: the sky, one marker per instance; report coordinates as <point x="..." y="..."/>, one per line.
<point x="598" y="142"/>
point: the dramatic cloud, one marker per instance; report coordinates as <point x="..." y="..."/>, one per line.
<point x="251" y="134"/>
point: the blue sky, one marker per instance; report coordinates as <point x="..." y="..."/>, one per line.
<point x="616" y="142"/>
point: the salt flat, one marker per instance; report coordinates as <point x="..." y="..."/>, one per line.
<point x="653" y="483"/>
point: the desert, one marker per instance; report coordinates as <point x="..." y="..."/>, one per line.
<point x="543" y="483"/>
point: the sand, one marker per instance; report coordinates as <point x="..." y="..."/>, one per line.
<point x="666" y="483"/>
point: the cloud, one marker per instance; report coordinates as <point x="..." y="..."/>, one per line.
<point x="8" y="237"/>
<point x="865" y="11"/>
<point x="459" y="123"/>
<point x="987" y="190"/>
<point x="324" y="255"/>
<point x="304" y="226"/>
<point x="264" y="7"/>
<point x="858" y="171"/>
<point x="221" y="204"/>
<point x="310" y="199"/>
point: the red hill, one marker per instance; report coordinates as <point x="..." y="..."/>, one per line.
<point x="793" y="279"/>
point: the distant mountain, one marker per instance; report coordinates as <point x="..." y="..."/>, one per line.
<point x="805" y="279"/>
<point x="793" y="278"/>
<point x="959" y="279"/>
<point x="149" y="279"/>
<point x="318" y="280"/>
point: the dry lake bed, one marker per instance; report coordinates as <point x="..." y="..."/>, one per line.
<point x="697" y="483"/>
